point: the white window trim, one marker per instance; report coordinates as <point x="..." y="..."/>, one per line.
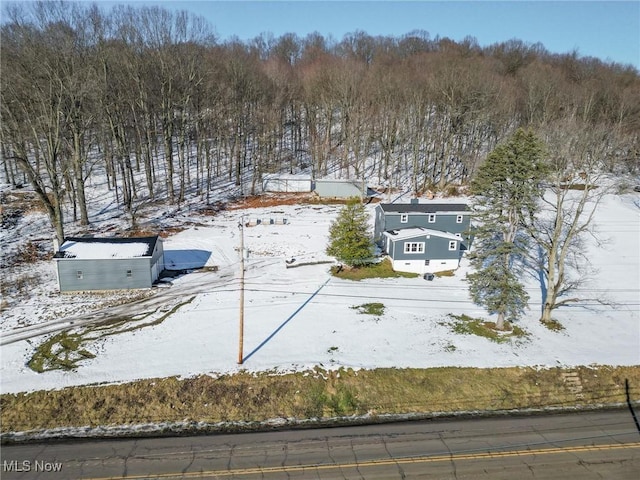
<point x="418" y="245"/>
<point x="432" y="218"/>
<point x="453" y="245"/>
<point x="459" y="218"/>
<point x="404" y="217"/>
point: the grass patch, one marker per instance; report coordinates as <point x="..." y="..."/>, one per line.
<point x="466" y="325"/>
<point x="445" y="273"/>
<point x="553" y="325"/>
<point x="316" y="393"/>
<point x="578" y="186"/>
<point x="60" y="352"/>
<point x="65" y="350"/>
<point x="374" y="308"/>
<point x="381" y="269"/>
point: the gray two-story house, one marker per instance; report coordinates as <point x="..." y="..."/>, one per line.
<point x="423" y="237"/>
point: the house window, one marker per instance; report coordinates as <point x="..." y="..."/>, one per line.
<point x="432" y="218"/>
<point x="404" y="217"/>
<point x="414" y="247"/>
<point x="129" y="273"/>
<point x="459" y="218"/>
<point x="453" y="245"/>
<point x="79" y="275"/>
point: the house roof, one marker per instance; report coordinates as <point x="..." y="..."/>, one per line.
<point x="93" y="248"/>
<point x="406" y="233"/>
<point x="424" y="207"/>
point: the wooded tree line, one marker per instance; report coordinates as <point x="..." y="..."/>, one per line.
<point x="149" y="93"/>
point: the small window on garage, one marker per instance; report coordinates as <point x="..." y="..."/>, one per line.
<point x="459" y="218"/>
<point x="129" y="273"/>
<point x="453" y="245"/>
<point x="404" y="217"/>
<point x="79" y="275"/>
<point x="432" y="218"/>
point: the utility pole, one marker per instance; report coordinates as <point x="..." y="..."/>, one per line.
<point x="241" y="336"/>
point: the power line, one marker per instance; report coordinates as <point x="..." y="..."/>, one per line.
<point x="233" y="282"/>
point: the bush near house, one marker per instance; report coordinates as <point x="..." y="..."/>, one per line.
<point x="381" y="269"/>
<point x="349" y="238"/>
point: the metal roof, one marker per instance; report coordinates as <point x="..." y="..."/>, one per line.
<point x="424" y="207"/>
<point x="106" y="247"/>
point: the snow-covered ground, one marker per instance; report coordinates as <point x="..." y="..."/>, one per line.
<point x="297" y="318"/>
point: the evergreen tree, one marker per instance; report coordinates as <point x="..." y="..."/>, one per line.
<point x="505" y="190"/>
<point x="349" y="238"/>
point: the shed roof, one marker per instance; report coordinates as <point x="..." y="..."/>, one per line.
<point x="353" y="181"/>
<point x="424" y="207"/>
<point x="406" y="233"/>
<point x="287" y="176"/>
<point x="92" y="248"/>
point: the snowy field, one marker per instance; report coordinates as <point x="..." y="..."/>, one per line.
<point x="298" y="318"/>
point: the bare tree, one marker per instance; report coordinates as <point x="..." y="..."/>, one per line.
<point x="577" y="185"/>
<point x="34" y="110"/>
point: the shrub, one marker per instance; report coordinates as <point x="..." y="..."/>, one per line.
<point x="374" y="308"/>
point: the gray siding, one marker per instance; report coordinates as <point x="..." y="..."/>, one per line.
<point x="445" y="222"/>
<point x="379" y="224"/>
<point x="109" y="274"/>
<point x="436" y="248"/>
<point x="158" y="259"/>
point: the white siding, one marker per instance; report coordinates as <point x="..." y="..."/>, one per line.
<point x="286" y="184"/>
<point x="418" y="266"/>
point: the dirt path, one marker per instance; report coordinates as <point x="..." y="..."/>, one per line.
<point x="163" y="300"/>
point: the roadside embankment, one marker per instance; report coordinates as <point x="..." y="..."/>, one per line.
<point x="317" y="397"/>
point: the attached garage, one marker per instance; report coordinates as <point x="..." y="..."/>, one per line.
<point x="90" y="263"/>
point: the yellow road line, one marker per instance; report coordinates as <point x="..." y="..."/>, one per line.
<point x="375" y="463"/>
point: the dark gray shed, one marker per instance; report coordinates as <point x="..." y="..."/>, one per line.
<point x="89" y="263"/>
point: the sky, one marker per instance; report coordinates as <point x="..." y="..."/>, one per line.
<point x="608" y="30"/>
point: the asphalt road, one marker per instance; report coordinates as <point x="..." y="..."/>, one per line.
<point x="564" y="446"/>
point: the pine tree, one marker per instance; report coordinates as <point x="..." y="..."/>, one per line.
<point x="349" y="238"/>
<point x="505" y="189"/>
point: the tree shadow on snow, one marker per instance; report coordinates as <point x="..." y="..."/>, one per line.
<point x="535" y="269"/>
<point x="282" y="325"/>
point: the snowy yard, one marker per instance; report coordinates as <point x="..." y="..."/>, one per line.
<point x="296" y="318"/>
